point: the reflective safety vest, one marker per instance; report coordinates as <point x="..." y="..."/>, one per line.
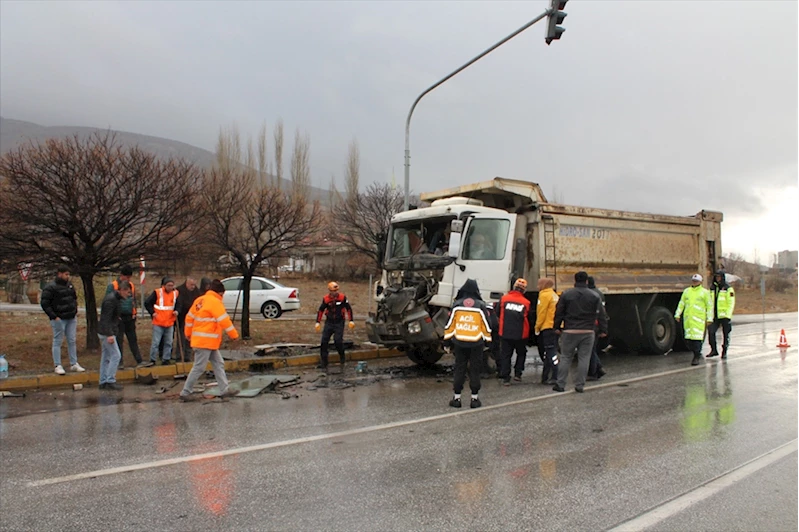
<point x="164" y="315"/>
<point x="468" y="324"/>
<point x="725" y="301"/>
<point x="696" y="309"/>
<point x="206" y="320"/>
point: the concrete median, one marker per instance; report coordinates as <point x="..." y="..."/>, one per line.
<point x="31" y="382"/>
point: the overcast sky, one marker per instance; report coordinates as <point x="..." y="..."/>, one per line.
<point x="666" y="107"/>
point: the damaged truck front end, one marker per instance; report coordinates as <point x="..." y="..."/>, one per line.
<point x="407" y="316"/>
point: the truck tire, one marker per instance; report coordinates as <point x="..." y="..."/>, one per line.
<point x="660" y="330"/>
<point x="425" y="356"/>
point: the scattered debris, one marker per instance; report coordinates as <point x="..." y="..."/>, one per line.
<point x="146" y="378"/>
<point x="77" y="387"/>
<point x="257" y="384"/>
<point x="11" y="394"/>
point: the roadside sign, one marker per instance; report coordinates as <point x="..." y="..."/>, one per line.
<point x="24" y="269"/>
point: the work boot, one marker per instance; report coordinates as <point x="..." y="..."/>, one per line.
<point x="229" y="393"/>
<point x="600" y="373"/>
<point x="724" y="354"/>
<point x="189" y="397"/>
<point x="475" y="403"/>
<point x="695" y="361"/>
<point x="558" y="388"/>
<point x="455" y="403"/>
<point x="712" y="354"/>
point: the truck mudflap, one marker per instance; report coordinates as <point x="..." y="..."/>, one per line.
<point x="417" y="327"/>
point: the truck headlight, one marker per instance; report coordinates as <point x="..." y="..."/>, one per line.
<point x="414" y="327"/>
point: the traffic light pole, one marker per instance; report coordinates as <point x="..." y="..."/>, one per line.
<point x="416" y="101"/>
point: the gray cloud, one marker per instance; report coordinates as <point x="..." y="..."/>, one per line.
<point x="660" y="106"/>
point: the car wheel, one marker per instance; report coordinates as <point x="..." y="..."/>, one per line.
<point x="271" y="310"/>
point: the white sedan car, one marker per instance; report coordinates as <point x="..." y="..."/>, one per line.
<point x="267" y="296"/>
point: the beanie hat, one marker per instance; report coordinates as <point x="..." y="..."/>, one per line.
<point x="166" y="280"/>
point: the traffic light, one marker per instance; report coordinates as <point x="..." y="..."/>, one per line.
<point x="555" y="17"/>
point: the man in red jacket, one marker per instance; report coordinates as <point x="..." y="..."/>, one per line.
<point x="514" y="330"/>
<point x="336" y="309"/>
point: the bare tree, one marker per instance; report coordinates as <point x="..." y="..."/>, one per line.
<point x="93" y="205"/>
<point x="253" y="223"/>
<point x="300" y="167"/>
<point x="333" y="193"/>
<point x="352" y="170"/>
<point x="279" y="152"/>
<point x="366" y="218"/>
<point x="733" y="263"/>
<point x="263" y="158"/>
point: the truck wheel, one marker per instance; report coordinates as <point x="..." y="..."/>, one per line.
<point x="426" y="356"/>
<point x="660" y="330"/>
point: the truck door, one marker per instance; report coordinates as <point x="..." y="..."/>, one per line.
<point x="486" y="254"/>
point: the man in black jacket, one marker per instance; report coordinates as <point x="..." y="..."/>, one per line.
<point x="576" y="316"/>
<point x="60" y="303"/>
<point x="110" y="316"/>
<point x="188" y="292"/>
<point x="595" y="370"/>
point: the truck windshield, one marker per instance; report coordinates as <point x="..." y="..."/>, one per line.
<point x="486" y="240"/>
<point x="420" y="236"/>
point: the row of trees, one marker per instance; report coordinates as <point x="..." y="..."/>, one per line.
<point x="94" y="205"/>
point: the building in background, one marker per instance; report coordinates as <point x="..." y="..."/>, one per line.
<point x="787" y="260"/>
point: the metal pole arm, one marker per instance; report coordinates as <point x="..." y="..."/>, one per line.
<point x="453" y="73"/>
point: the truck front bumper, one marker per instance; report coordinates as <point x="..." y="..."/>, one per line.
<point x="415" y="328"/>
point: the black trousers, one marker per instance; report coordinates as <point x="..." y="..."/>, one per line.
<point x="187" y="352"/>
<point x="695" y="346"/>
<point x="726" y="328"/>
<point x="127" y="327"/>
<point x="506" y="353"/>
<point x="595" y="364"/>
<point x="336" y="330"/>
<point x="548" y="351"/>
<point x="471" y="356"/>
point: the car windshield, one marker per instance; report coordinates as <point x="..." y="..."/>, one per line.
<point x="419" y="236"/>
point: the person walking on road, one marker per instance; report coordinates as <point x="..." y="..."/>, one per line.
<point x="336" y="310"/>
<point x="595" y="370"/>
<point x="127" y="325"/>
<point x="723" y="305"/>
<point x="696" y="312"/>
<point x="576" y="316"/>
<point x="60" y="303"/>
<point x="514" y="331"/>
<point x="161" y="305"/>
<point x="110" y="319"/>
<point x="205" y="323"/>
<point x="188" y="293"/>
<point x="545" y="330"/>
<point x="467" y="330"/>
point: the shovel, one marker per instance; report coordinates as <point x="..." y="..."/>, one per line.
<point x="179" y="339"/>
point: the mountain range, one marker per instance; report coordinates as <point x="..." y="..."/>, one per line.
<point x="15" y="133"/>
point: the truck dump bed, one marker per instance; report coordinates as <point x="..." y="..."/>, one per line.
<point x="627" y="252"/>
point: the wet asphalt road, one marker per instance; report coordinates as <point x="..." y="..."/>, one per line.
<point x="390" y="454"/>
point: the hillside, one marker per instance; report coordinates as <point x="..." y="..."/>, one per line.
<point x="15" y="133"/>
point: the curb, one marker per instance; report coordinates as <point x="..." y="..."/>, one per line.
<point x="129" y="375"/>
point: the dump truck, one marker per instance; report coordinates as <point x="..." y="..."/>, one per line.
<point x="499" y="230"/>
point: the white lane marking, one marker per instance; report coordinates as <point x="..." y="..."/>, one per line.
<point x="705" y="490"/>
<point x="351" y="432"/>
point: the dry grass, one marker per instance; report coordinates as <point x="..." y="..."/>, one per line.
<point x="26" y="338"/>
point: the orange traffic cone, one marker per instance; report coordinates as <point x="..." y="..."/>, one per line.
<point x="783" y="339"/>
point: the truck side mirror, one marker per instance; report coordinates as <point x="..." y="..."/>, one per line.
<point x="456" y="226"/>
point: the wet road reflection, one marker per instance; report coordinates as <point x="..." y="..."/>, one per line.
<point x="622" y="447"/>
